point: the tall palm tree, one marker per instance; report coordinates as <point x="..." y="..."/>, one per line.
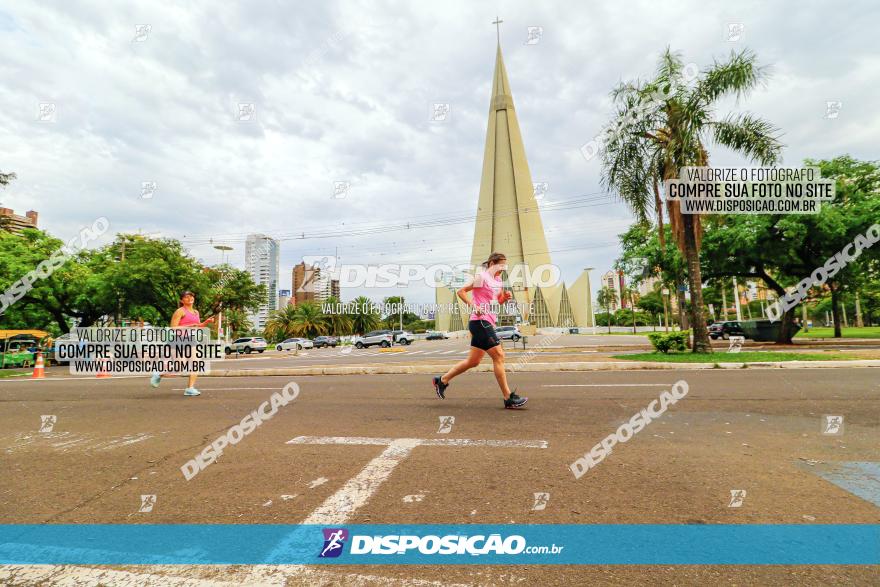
<point x="363" y="319"/>
<point x="605" y="298"/>
<point x="237" y="321"/>
<point x="337" y="322"/>
<point x="280" y="324"/>
<point x="663" y="125"/>
<point x="304" y="319"/>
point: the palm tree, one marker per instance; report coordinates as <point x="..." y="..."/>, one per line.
<point x="337" y="323"/>
<point x="605" y="298"/>
<point x="280" y="324"/>
<point x="630" y="293"/>
<point x="237" y="321"/>
<point x="663" y="125"/>
<point x="363" y="319"/>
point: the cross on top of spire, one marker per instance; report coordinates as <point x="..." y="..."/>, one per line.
<point x="497" y="22"/>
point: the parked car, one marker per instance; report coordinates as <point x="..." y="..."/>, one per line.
<point x="383" y="338"/>
<point x="16" y="351"/>
<point x="508" y="332"/>
<point x="436" y="335"/>
<point x="403" y="337"/>
<point x="325" y="341"/>
<point x="294" y="343"/>
<point x="725" y="330"/>
<point x="246" y="345"/>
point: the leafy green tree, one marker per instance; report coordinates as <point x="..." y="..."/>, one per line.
<point x="646" y="253"/>
<point x="72" y="290"/>
<point x="664" y="124"/>
<point x="238" y="321"/>
<point x="606" y="297"/>
<point x="782" y="249"/>
<point x="229" y="288"/>
<point x="652" y="303"/>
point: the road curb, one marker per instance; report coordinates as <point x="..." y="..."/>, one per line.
<point x="540" y="367"/>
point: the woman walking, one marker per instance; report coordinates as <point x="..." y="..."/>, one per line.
<point x="485" y="287"/>
<point x="185" y="316"/>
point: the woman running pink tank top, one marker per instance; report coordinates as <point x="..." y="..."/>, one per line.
<point x="486" y="289"/>
<point x="190" y="318"/>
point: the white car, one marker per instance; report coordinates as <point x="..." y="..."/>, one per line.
<point x="511" y="332"/>
<point x="403" y="337"/>
<point x="294" y="343"/>
<point x="383" y="338"/>
<point x="246" y="345"/>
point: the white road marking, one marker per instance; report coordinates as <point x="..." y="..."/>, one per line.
<point x="337" y="508"/>
<point x="64" y="441"/>
<point x="364" y="440"/>
<point x="317" y="482"/>
<point x="607" y="385"/>
<point x="229" y="388"/>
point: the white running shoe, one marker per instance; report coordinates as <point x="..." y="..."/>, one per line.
<point x="190" y="391"/>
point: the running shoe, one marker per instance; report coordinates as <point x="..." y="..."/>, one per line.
<point x="440" y="387"/>
<point x="515" y="401"/>
<point x="190" y="391"/>
<point x="156" y="379"/>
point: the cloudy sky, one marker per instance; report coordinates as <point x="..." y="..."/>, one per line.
<point x="343" y="92"/>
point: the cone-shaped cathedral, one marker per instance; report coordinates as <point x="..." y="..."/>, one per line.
<point x="509" y="221"/>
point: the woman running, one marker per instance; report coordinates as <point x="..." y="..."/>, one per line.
<point x="184" y="316"/>
<point x="485" y="287"/>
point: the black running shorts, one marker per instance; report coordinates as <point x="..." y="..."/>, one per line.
<point x="483" y="334"/>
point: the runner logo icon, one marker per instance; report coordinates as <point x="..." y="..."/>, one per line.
<point x="334" y="541"/>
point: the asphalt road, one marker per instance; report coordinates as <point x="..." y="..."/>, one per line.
<point x="114" y="440"/>
<point x="441" y="352"/>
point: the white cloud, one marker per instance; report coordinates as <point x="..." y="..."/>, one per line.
<point x="343" y="93"/>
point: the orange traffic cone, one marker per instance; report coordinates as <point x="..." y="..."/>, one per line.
<point x="39" y="368"/>
<point x="103" y="374"/>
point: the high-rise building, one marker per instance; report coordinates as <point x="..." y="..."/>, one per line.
<point x="611" y="280"/>
<point x="262" y="258"/>
<point x="311" y="284"/>
<point x="304" y="278"/>
<point x="12" y="222"/>
<point x="509" y="221"/>
<point x="283" y="298"/>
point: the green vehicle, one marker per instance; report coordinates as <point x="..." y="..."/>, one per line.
<point x="17" y="351"/>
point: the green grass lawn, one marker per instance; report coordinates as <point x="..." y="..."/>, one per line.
<point x="823" y="332"/>
<point x="6" y="373"/>
<point x="743" y="357"/>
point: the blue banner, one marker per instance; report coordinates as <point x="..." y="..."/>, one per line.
<point x="426" y="544"/>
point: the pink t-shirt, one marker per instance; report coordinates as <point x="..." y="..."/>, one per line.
<point x="485" y="291"/>
<point x="189" y="318"/>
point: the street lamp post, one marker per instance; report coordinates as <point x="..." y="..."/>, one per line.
<point x="224" y="249"/>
